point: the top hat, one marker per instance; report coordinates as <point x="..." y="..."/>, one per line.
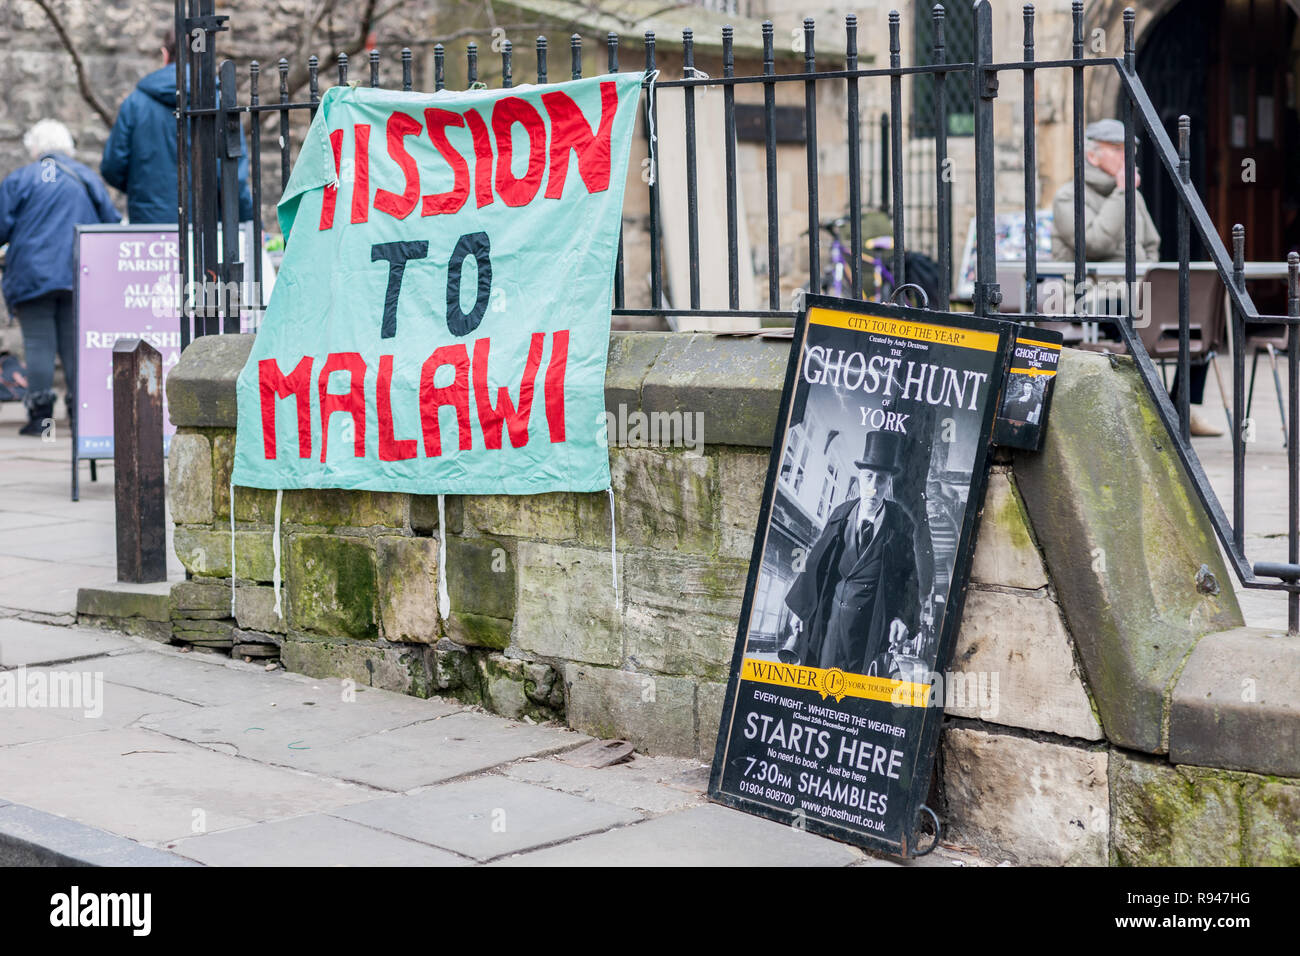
<point x="881" y="453"/>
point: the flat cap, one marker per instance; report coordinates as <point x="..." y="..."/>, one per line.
<point x="1105" y="131"/>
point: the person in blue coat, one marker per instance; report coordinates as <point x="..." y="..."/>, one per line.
<point x="41" y="204"/>
<point x="140" y="155"/>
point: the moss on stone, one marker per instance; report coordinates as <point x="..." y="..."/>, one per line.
<point x="1163" y="815"/>
<point x="479" y="630"/>
<point x="1123" y="538"/>
<point x="331" y="585"/>
<point x="338" y="508"/>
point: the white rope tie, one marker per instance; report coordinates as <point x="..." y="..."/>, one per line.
<point x="232" y="546"/>
<point x="613" y="549"/>
<point x="650" y="122"/>
<point x="444" y="599"/>
<point x="275" y="550"/>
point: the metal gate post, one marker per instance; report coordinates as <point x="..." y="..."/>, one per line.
<point x="987" y="294"/>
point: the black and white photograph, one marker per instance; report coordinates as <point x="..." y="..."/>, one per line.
<point x="1027" y="398"/>
<point x="869" y="502"/>
<point x="859" y="568"/>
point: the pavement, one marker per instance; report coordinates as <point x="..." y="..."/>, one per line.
<point x="197" y="759"/>
<point x="173" y="758"/>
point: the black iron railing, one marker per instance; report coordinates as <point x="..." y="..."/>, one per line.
<point x="208" y="129"/>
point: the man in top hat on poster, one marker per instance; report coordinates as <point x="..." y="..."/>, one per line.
<point x="857" y="597"/>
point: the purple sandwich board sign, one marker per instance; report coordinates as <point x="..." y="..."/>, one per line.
<point x="127" y="279"/>
<point x="128" y="287"/>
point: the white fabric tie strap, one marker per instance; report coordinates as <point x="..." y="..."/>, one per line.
<point x="613" y="549"/>
<point x="232" y="547"/>
<point x="275" y="550"/>
<point x="444" y="599"/>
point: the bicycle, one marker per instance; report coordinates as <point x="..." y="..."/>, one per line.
<point x="877" y="279"/>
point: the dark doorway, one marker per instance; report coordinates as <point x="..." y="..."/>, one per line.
<point x="1230" y="66"/>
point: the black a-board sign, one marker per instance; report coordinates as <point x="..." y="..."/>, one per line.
<point x="1027" y="397"/>
<point x="859" y="570"/>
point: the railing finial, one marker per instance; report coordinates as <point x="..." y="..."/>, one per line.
<point x="1239" y="256"/>
<point x="1293" y="285"/>
<point x="1130" y="48"/>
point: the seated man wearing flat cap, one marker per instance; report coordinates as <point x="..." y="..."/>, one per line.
<point x="1103" y="200"/>
<point x="856" y="598"/>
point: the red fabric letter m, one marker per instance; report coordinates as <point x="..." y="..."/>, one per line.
<point x="273" y="384"/>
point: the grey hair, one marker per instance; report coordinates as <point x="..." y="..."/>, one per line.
<point x="48" y="136"/>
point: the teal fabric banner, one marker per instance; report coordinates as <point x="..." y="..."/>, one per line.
<point x="440" y="322"/>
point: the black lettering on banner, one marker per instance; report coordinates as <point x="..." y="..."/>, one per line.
<point x="397" y="255"/>
<point x="472" y="244"/>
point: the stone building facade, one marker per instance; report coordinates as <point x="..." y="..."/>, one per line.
<point x="118" y="42"/>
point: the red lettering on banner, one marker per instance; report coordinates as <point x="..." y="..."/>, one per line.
<point x="399" y="205"/>
<point x="390" y="448"/>
<point x="451" y="201"/>
<point x="508" y="111"/>
<point x="570" y="133"/>
<point x="352" y="403"/>
<point x="516" y="419"/>
<point x="482" y="158"/>
<point x="361" y="173"/>
<point x="332" y="190"/>
<point x="555" y="369"/>
<point x="434" y="397"/>
<point x="273" y="384"/>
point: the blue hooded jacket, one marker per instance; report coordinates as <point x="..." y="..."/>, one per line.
<point x="41" y="204"/>
<point x="140" y="155"/>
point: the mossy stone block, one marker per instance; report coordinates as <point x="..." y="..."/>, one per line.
<point x="331" y="584"/>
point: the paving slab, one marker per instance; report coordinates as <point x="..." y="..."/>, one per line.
<point x="188" y="678"/>
<point x="47" y="587"/>
<point x="29" y="837"/>
<point x="154" y="789"/>
<point x="708" y="835"/>
<point x="490" y="816"/>
<point x="60" y="547"/>
<point x="16" y="520"/>
<point x="435" y="751"/>
<point x="312" y="840"/>
<point x="118" y="705"/>
<point x="295" y="717"/>
<point x="22" y="725"/>
<point x="650" y="784"/>
<point x="24" y="643"/>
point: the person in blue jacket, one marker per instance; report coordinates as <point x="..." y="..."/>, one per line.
<point x="140" y="155"/>
<point x="41" y="204"/>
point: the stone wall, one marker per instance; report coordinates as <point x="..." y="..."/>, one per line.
<point x="1096" y="704"/>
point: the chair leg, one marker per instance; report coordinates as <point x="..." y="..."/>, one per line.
<point x="1223" y="392"/>
<point x="1277" y="385"/>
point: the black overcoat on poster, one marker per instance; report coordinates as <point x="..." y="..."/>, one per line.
<point x="887" y="590"/>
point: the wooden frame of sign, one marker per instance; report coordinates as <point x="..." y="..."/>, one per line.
<point x="859" y="570"/>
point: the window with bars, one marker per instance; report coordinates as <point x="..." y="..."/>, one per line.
<point x="959" y="47"/>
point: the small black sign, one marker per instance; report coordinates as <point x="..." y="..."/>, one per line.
<point x="1027" y="397"/>
<point x="859" y="569"/>
<point x="787" y="123"/>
